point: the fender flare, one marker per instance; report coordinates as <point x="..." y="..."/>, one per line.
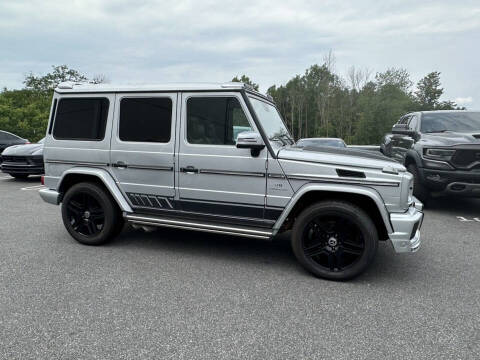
<point x="414" y="155"/>
<point x="106" y="179"/>
<point x="349" y="189"/>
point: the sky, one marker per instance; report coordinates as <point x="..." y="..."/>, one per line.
<point x="147" y="41"/>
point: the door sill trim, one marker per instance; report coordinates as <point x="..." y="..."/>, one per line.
<point x="199" y="226"/>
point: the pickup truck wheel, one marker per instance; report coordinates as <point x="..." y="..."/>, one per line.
<point x="334" y="240"/>
<point x="90" y="215"/>
<point x="419" y="190"/>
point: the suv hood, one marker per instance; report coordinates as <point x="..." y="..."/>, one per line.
<point x="339" y="156"/>
<point x="450" y="138"/>
<point x="24" y="150"/>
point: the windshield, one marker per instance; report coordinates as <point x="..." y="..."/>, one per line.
<point x="451" y="121"/>
<point x="41" y="141"/>
<point x="271" y="122"/>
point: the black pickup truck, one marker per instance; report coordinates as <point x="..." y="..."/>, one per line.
<point x="441" y="149"/>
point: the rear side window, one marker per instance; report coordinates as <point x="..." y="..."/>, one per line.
<point x="145" y="119"/>
<point x="215" y="120"/>
<point x="81" y="119"/>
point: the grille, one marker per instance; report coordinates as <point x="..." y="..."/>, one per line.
<point x="466" y="158"/>
<point x="15" y="159"/>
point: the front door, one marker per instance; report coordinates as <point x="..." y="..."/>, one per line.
<point x="215" y="178"/>
<point x="142" y="149"/>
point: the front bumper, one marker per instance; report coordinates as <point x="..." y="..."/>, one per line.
<point x="406" y="229"/>
<point x="50" y="196"/>
<point x="453" y="182"/>
<point x="23" y="165"/>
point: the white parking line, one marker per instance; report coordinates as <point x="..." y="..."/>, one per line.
<point x="35" y="187"/>
<point x="464" y="219"/>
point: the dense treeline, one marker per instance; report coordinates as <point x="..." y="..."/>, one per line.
<point x="360" y="108"/>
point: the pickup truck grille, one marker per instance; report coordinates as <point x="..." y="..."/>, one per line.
<point x="466" y="158"/>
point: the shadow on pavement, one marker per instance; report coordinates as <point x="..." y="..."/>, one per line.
<point x="458" y="205"/>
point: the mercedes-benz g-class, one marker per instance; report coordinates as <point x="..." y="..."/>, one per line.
<point x="218" y="158"/>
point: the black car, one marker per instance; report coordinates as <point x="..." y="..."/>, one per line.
<point x="441" y="149"/>
<point x="8" y="139"/>
<point x="20" y="161"/>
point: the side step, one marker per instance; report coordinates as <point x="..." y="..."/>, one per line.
<point x="258" y="233"/>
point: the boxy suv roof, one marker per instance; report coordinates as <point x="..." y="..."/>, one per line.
<point x="218" y="158"/>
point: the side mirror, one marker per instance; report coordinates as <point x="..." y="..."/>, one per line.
<point x="250" y="140"/>
<point x="402" y="129"/>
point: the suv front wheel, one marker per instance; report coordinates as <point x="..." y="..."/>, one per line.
<point x="335" y="240"/>
<point x="90" y="214"/>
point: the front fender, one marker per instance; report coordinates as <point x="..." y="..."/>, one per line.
<point x="349" y="189"/>
<point x="107" y="180"/>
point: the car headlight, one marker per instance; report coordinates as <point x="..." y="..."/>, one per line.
<point x="438" y="154"/>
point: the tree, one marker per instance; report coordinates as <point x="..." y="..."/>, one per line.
<point x="49" y="81"/>
<point x="429" y="91"/>
<point x="246" y="80"/>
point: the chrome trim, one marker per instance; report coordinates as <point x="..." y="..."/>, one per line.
<point x="341" y="180"/>
<point x="235" y="173"/>
<point x="79" y="163"/>
<point x="144" y="167"/>
<point x="276" y="176"/>
<point x="189" y="225"/>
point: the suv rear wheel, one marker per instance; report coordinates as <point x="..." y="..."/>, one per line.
<point x="90" y="214"/>
<point x="335" y="240"/>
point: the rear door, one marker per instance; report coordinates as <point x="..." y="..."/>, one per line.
<point x="142" y="148"/>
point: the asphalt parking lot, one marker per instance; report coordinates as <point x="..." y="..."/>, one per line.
<point x="184" y="295"/>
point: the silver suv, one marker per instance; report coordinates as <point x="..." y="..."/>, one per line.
<point x="218" y="158"/>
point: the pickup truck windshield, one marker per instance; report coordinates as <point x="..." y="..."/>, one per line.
<point x="455" y="121"/>
<point x="271" y="122"/>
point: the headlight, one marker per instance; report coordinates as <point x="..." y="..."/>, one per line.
<point x="439" y="154"/>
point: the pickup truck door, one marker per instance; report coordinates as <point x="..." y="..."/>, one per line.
<point x="398" y="142"/>
<point x="142" y="148"/>
<point x="215" y="178"/>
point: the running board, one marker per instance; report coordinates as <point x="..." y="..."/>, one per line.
<point x="199" y="226"/>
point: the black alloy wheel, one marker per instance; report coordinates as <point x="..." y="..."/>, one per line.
<point x="85" y="214"/>
<point x="90" y="214"/>
<point x="334" y="239"/>
<point x="333" y="242"/>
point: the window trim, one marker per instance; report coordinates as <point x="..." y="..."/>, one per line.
<point x="52" y="116"/>
<point x="83" y="98"/>
<point x="217" y="95"/>
<point x="172" y="120"/>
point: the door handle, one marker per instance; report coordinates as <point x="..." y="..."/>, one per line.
<point x="189" y="170"/>
<point x="120" y="165"/>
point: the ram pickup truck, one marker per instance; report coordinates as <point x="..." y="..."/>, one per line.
<point x="441" y="149"/>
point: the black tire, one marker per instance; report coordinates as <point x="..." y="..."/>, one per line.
<point x="90" y="214"/>
<point x="419" y="190"/>
<point x="338" y="233"/>
<point x="20" y="176"/>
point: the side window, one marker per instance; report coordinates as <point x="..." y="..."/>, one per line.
<point x="145" y="119"/>
<point x="81" y="119"/>
<point x="404" y="120"/>
<point x="215" y="120"/>
<point x="2" y="136"/>
<point x="412" y="125"/>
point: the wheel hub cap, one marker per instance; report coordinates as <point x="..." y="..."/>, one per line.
<point x="86" y="215"/>
<point x="332" y="242"/>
